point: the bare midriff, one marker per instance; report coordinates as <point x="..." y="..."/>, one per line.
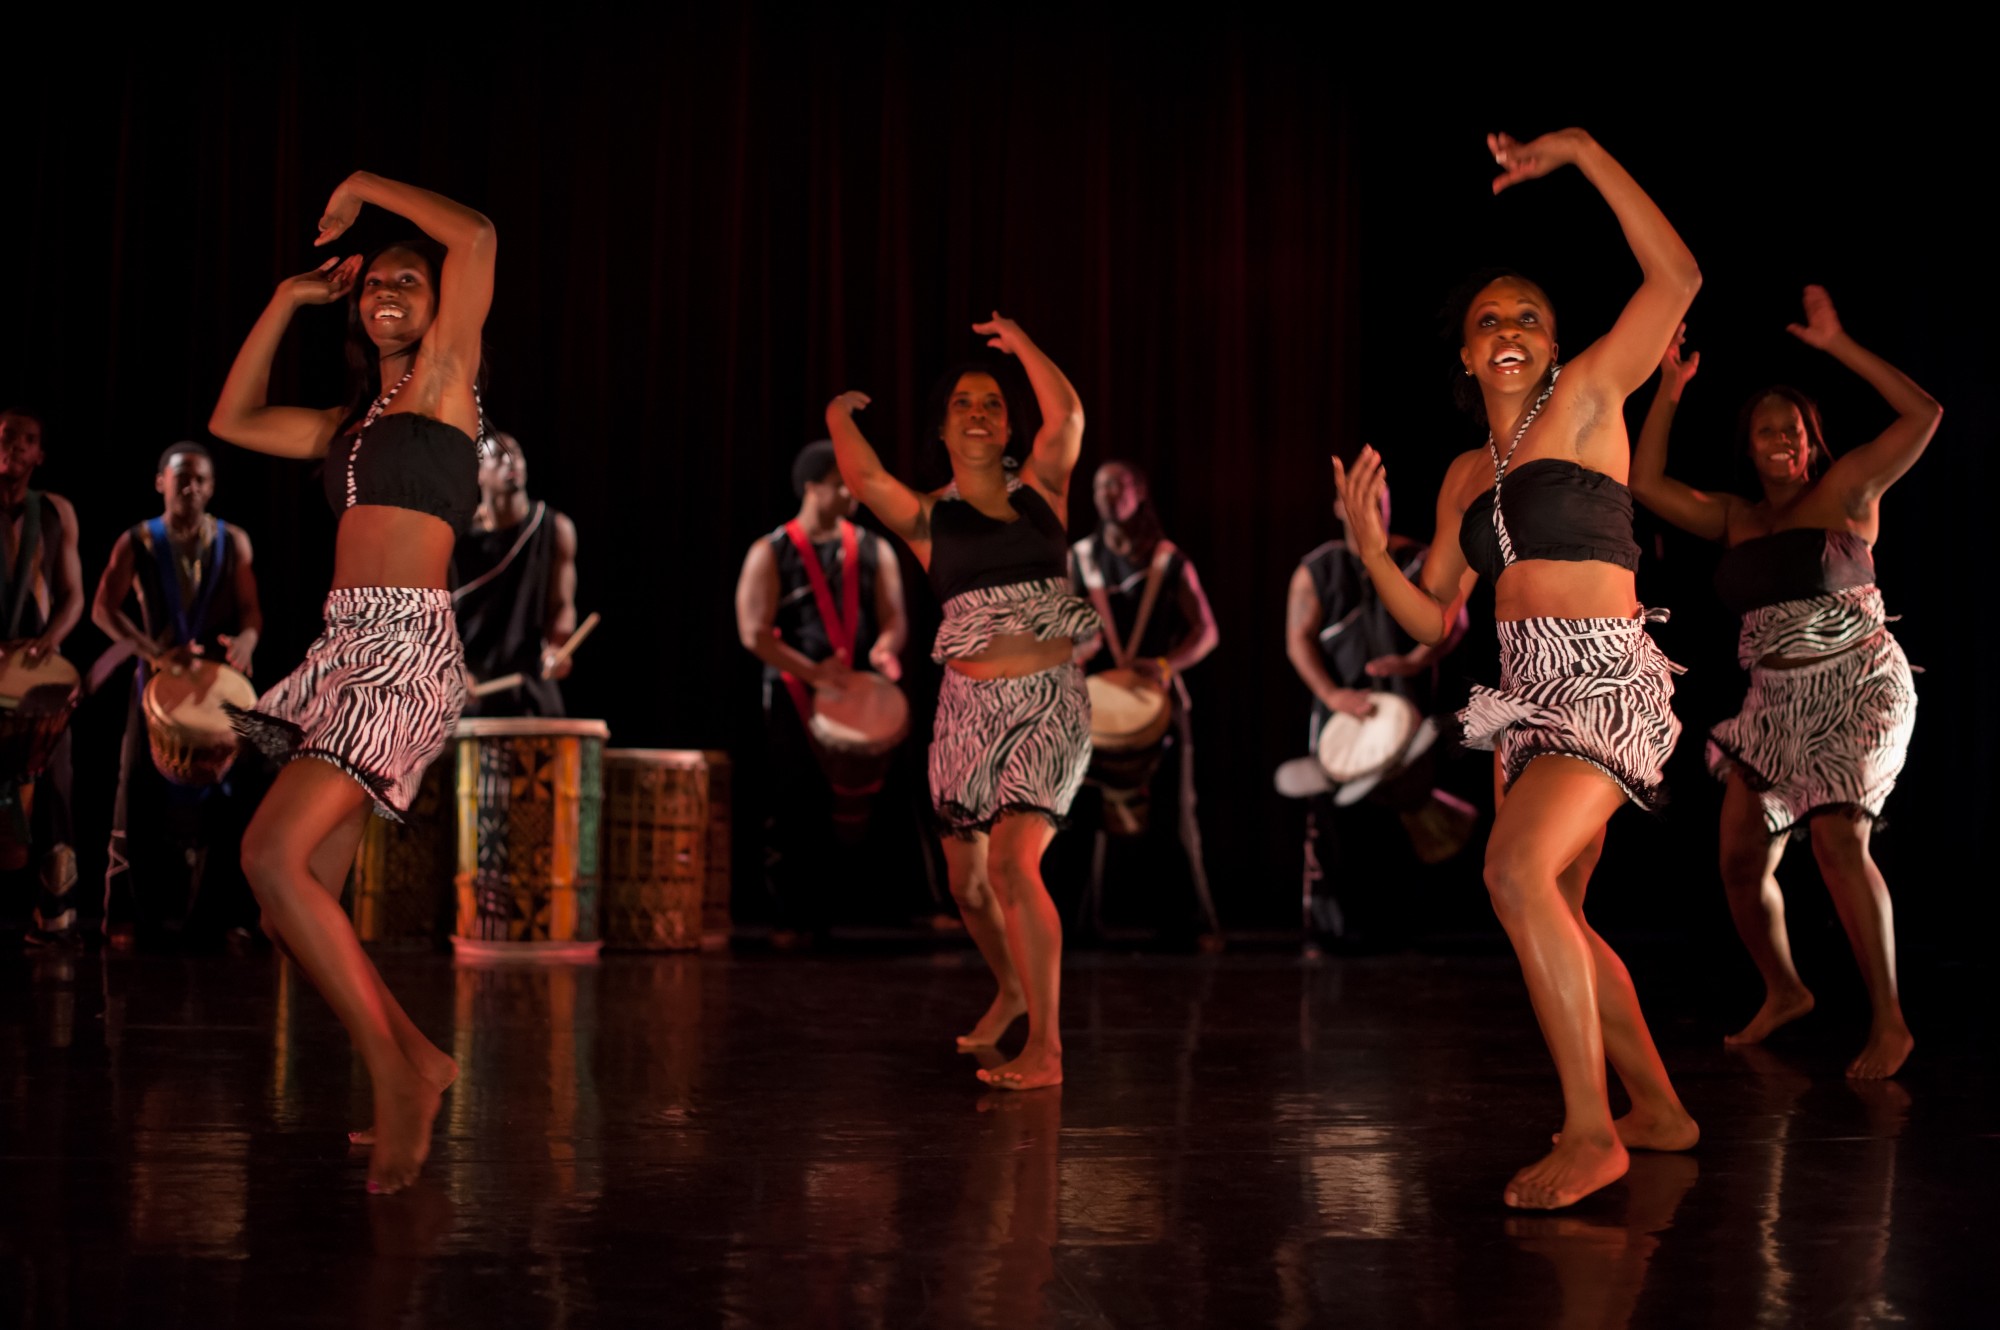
<point x="383" y="546"/>
<point x="1011" y="655"/>
<point x="1560" y="589"/>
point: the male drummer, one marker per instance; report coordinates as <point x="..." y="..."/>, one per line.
<point x="1345" y="646"/>
<point x="516" y="596"/>
<point x="191" y="575"/>
<point x="41" y="602"/>
<point x="792" y="613"/>
<point x="1130" y="570"/>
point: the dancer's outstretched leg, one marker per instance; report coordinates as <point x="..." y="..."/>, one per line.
<point x="1840" y="844"/>
<point x="1556" y="811"/>
<point x="1034" y="940"/>
<point x="1750" y="856"/>
<point x="330" y="865"/>
<point x="965" y="860"/>
<point x="309" y="802"/>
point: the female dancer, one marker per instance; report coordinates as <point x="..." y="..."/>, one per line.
<point x="1012" y="739"/>
<point x="1582" y="720"/>
<point x="1825" y="726"/>
<point x="379" y="691"/>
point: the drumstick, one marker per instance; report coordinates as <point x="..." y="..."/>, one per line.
<point x="499" y="685"/>
<point x="561" y="653"/>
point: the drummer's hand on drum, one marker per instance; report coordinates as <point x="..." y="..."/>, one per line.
<point x="238" y="649"/>
<point x="37" y="649"/>
<point x="883" y="660"/>
<point x="830" y="673"/>
<point x="1354" y="701"/>
<point x="1360" y="489"/>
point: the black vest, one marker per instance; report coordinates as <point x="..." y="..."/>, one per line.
<point x="1124" y="589"/>
<point x="176" y="608"/>
<point x="501" y="618"/>
<point x="798" y="619"/>
<point x="1355" y="626"/>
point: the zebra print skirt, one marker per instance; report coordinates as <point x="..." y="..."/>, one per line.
<point x="1598" y="690"/>
<point x="1825" y="736"/>
<point x="1017" y="745"/>
<point x="377" y="694"/>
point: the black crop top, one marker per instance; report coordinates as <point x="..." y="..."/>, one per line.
<point x="406" y="461"/>
<point x="1792" y="565"/>
<point x="1554" y="509"/>
<point x="971" y="551"/>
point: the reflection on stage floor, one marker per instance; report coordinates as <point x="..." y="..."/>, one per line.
<point x="791" y="1141"/>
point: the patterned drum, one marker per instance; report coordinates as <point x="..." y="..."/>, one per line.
<point x="656" y="848"/>
<point x="530" y="796"/>
<point x="401" y="888"/>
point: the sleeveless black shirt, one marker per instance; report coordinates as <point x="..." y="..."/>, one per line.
<point x="971" y="551"/>
<point x="798" y="619"/>
<point x="1355" y="627"/>
<point x="501" y="620"/>
<point x="1124" y="588"/>
<point x="214" y="582"/>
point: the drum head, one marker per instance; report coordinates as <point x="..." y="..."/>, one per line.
<point x="1127" y="710"/>
<point x="189" y="697"/>
<point x="18" y="678"/>
<point x="1354" y="747"/>
<point x="865" y="713"/>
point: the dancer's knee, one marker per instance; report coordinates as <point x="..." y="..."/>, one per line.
<point x="1744" y="868"/>
<point x="972" y="891"/>
<point x="267" y="858"/>
<point x="1013" y="879"/>
<point x="1516" y="878"/>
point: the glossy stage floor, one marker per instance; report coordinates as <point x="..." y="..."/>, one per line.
<point x="790" y="1141"/>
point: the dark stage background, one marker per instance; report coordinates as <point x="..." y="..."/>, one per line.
<point x="1236" y="254"/>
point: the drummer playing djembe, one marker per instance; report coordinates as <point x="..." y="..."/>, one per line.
<point x="516" y="593"/>
<point x="1346" y="648"/>
<point x="41" y="602"/>
<point x="811" y="594"/>
<point x="197" y="596"/>
<point x="1158" y="623"/>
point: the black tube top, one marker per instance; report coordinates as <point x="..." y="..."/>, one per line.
<point x="409" y="461"/>
<point x="1554" y="509"/>
<point x="1792" y="565"/>
<point x="971" y="551"/>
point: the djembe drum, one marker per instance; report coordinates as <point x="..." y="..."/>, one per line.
<point x="1129" y="717"/>
<point x="1386" y="757"/>
<point x="855" y="728"/>
<point x="35" y="705"/>
<point x="530" y="797"/>
<point x="657" y="816"/>
<point x="189" y="733"/>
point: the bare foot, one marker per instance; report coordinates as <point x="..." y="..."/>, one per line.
<point x="1882" y="1057"/>
<point x="433" y="1064"/>
<point x="405" y="1107"/>
<point x="1666" y="1128"/>
<point x="1006" y="1009"/>
<point x="1778" y="1009"/>
<point x="1039" y="1065"/>
<point x="1573" y="1170"/>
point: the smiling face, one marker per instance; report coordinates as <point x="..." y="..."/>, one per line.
<point x="188" y="482"/>
<point x="1780" y="447"/>
<point x="396" y="299"/>
<point x="1510" y="337"/>
<point x="1117" y="492"/>
<point x="975" y="426"/>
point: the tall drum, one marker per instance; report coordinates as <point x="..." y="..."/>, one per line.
<point x="401" y="888"/>
<point x="656" y="848"/>
<point x="530" y="799"/>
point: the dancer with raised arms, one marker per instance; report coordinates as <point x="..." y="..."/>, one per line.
<point x="1826" y="724"/>
<point x="1012" y="739"/>
<point x="380" y="690"/>
<point x="1582" y="720"/>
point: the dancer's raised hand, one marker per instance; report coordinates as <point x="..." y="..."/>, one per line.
<point x="1676" y="369"/>
<point x="1360" y="488"/>
<point x="1822" y="325"/>
<point x="1536" y="158"/>
<point x="341" y="210"/>
<point x="1002" y="333"/>
<point x="325" y="285"/>
<point x="848" y="403"/>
